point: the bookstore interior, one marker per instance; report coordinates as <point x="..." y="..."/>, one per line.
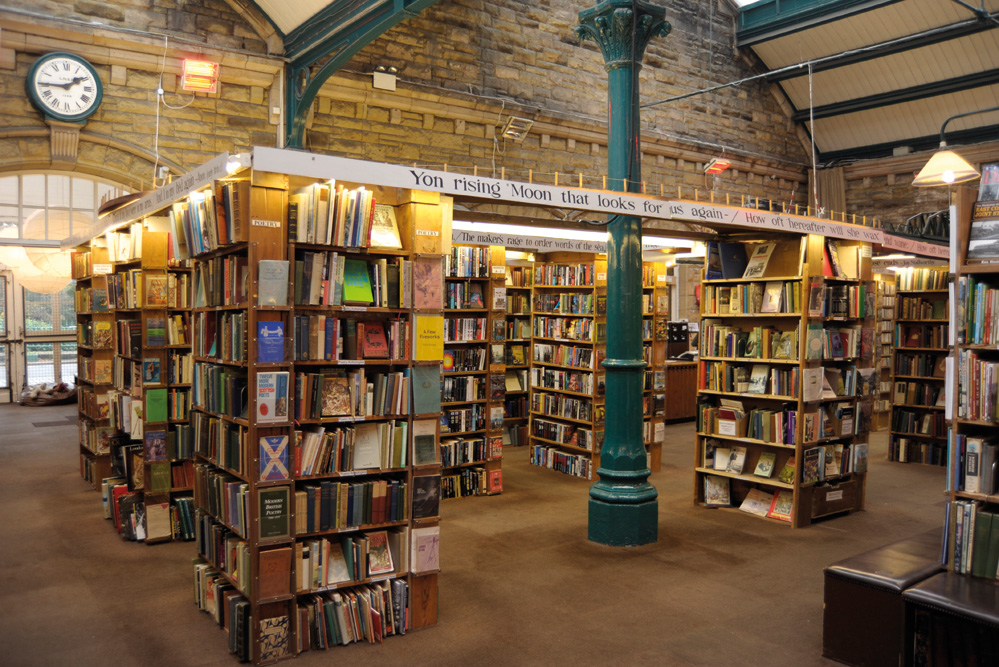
<point x="292" y="360"/>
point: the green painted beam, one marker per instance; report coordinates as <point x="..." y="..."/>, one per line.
<point x="336" y="34"/>
<point x="770" y="19"/>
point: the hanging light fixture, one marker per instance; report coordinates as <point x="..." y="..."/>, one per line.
<point x="947" y="167"/>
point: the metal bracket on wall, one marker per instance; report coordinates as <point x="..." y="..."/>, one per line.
<point x="355" y="25"/>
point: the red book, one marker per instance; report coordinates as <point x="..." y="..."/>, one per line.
<point x="374" y="345"/>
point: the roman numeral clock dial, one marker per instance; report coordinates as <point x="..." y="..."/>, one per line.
<point x="65" y="87"/>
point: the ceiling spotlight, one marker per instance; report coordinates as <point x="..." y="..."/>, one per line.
<point x="516" y="128"/>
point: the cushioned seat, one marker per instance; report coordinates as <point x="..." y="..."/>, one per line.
<point x="952" y="619"/>
<point x="863" y="618"/>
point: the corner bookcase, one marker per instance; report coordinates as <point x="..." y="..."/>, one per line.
<point x="921" y="345"/>
<point x="316" y="317"/>
<point x="884" y="356"/>
<point x="519" y="281"/>
<point x="782" y="418"/>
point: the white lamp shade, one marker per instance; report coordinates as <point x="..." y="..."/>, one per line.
<point x="945" y="168"/>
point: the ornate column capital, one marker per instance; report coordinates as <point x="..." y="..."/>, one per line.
<point x="621" y="36"/>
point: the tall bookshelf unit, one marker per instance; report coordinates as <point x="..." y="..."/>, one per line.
<point x="285" y="552"/>
<point x="519" y="281"/>
<point x="921" y="345"/>
<point x="884" y="347"/>
<point x="567" y="380"/>
<point x="474" y="378"/>
<point x="95" y="342"/>
<point x="655" y="316"/>
<point x="973" y="481"/>
<point x="767" y="346"/>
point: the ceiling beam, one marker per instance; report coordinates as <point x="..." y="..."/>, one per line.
<point x="975" y="135"/>
<point x="890" y="47"/>
<point x="922" y="91"/>
<point x="764" y="21"/>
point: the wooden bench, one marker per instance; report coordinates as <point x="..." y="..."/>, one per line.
<point x="952" y="619"/>
<point x="864" y="616"/>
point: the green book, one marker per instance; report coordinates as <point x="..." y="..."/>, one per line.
<point x="159" y="477"/>
<point x="980" y="547"/>
<point x="992" y="560"/>
<point x="356" y="283"/>
<point x="156" y="406"/>
<point x="273" y="512"/>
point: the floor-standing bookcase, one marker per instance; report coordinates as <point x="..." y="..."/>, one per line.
<point x="519" y="279"/>
<point x="567" y="380"/>
<point x="973" y="480"/>
<point x="655" y="316"/>
<point x="317" y="476"/>
<point x="921" y="345"/>
<point x="95" y="342"/>
<point x="474" y="380"/>
<point x="884" y="333"/>
<point x="781" y="345"/>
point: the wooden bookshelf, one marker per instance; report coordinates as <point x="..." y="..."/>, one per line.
<point x="655" y="317"/>
<point x="884" y="328"/>
<point x="972" y="447"/>
<point x="918" y="425"/>
<point x="474" y="379"/>
<point x="271" y="391"/>
<point x="519" y="300"/>
<point x="142" y="381"/>
<point x="767" y="343"/>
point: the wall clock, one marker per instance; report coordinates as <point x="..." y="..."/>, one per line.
<point x="64" y="87"/>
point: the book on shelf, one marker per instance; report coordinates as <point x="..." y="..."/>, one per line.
<point x="428" y="283"/>
<point x="385" y="228"/>
<point x="425" y="449"/>
<point x="155" y="446"/>
<point x="272" y="282"/>
<point x="273" y="457"/>
<point x="773" y="296"/>
<point x="499" y="298"/>
<point x="335" y="396"/>
<point x="428" y="337"/>
<point x="812" y="464"/>
<point x="374" y="344"/>
<point x="426" y="496"/>
<point x="151" y="371"/>
<point x="736" y="459"/>
<point x="156" y="291"/>
<point x="712" y="262"/>
<point x="782" y="507"/>
<point x="757" y="264"/>
<point x="860" y="456"/>
<point x="379" y="554"/>
<point x="733" y="259"/>
<point x="787" y="472"/>
<point x="475" y="297"/>
<point x="765" y="464"/>
<point x="757" y="502"/>
<point x="270" y="342"/>
<point x="426" y="389"/>
<point x="717" y="491"/>
<point x="816" y="299"/>
<point x="272" y="397"/>
<point x="494" y="481"/>
<point x="357" y="283"/>
<point x="425" y="549"/>
<point x="758" y="379"/>
<point x="273" y="512"/>
<point x="274" y="571"/>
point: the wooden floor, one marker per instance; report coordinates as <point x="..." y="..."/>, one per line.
<point x="520" y="585"/>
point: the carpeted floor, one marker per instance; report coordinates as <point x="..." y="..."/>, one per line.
<point x="520" y="583"/>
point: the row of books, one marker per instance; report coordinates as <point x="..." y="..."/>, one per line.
<point x="470" y="482"/>
<point x="364" y="614"/>
<point x="460" y="295"/>
<point x="565" y="355"/>
<point x="554" y="378"/>
<point x="921" y="335"/>
<point x="461" y="451"/>
<point x="921" y="365"/>
<point x="972" y="545"/>
<point x="225" y="496"/>
<point x="919" y="308"/>
<point x="978" y="387"/>
<point x="351" y="393"/>
<point x="758" y="343"/>
<point x="215" y="596"/>
<point x="333" y="505"/>
<point x="221" y="442"/>
<point x="569" y="303"/>
<point x="833" y="460"/>
<point x="560" y="405"/>
<point x="975" y="465"/>
<point x="335" y="279"/>
<point x="555" y="275"/>
<point x="977" y="306"/>
<point x="230" y="554"/>
<point x="338" y="562"/>
<point x="465" y="329"/>
<point x="465" y="388"/>
<point x="330" y="214"/>
<point x="467" y="262"/>
<point x="916" y="450"/>
<point x="568" y="464"/>
<point x="778" y="505"/>
<point x="464" y="360"/>
<point x="914" y="278"/>
<point x="566" y="434"/>
<point x="362" y="447"/>
<point x="919" y="423"/>
<point x="569" y="328"/>
<point x="755" y="379"/>
<point x="222" y="281"/>
<point x="463" y="420"/>
<point x="329" y="338"/>
<point x="919" y="393"/>
<point x="752" y="298"/>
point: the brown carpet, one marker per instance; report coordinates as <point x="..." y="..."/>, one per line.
<point x="520" y="585"/>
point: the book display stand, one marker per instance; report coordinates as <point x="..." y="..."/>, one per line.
<point x="783" y="411"/>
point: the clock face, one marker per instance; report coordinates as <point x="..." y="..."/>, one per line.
<point x="64" y="86"/>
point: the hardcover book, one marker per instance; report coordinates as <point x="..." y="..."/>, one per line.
<point x="155" y="444"/>
<point x="156" y="291"/>
<point x="757" y="502"/>
<point x="150" y="371"/>
<point x="786" y="473"/>
<point x="765" y="464"/>
<point x="273" y="516"/>
<point x="733" y="259"/>
<point x="494" y="483"/>
<point x="716" y="491"/>
<point x="272" y="397"/>
<point x="757" y="264"/>
<point x="782" y="507"/>
<point x="428" y="283"/>
<point x="379" y="554"/>
<point x="270" y="342"/>
<point x="272" y="282"/>
<point x="425" y="556"/>
<point x="426" y="389"/>
<point x="274" y="457"/>
<point x="385" y="228"/>
<point x="374" y="344"/>
<point x="428" y="337"/>
<point x="357" y="283"/>
<point x="425" y="449"/>
<point x="335" y="396"/>
<point x="426" y="496"/>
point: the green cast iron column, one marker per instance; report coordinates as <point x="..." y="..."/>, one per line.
<point x="624" y="510"/>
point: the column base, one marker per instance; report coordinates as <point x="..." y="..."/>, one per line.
<point x="623" y="525"/>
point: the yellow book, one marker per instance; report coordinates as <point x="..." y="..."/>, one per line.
<point x="428" y="339"/>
